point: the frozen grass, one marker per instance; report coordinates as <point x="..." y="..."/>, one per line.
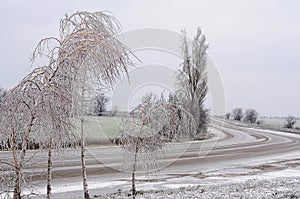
<point x="287" y="187"/>
<point x="100" y="130"/>
<point x="277" y="122"/>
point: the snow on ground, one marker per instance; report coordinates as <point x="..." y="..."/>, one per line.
<point x="257" y="182"/>
<point x="75" y="186"/>
<point x="294" y="135"/>
<point x="287" y="187"/>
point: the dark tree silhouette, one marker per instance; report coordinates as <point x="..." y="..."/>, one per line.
<point x="251" y="116"/>
<point x="100" y="103"/>
<point x="237" y="114"/>
<point x="290" y="122"/>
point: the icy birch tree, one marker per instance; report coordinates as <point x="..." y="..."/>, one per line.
<point x="87" y="44"/>
<point x="192" y="79"/>
<point x="147" y="129"/>
<point x="30" y="116"/>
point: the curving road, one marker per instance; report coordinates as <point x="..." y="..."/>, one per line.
<point x="230" y="146"/>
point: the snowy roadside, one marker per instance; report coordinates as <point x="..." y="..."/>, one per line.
<point x="274" y="179"/>
<point x="287" y="187"/>
<point x="280" y="179"/>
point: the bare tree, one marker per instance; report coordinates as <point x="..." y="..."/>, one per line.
<point x="227" y="116"/>
<point x="87" y="44"/>
<point x="251" y="116"/>
<point x="100" y="103"/>
<point x="148" y="129"/>
<point x="56" y="125"/>
<point x="237" y="114"/>
<point x="105" y="58"/>
<point x="192" y="79"/>
<point x="27" y="110"/>
<point x="90" y="51"/>
<point x="290" y="122"/>
<point x="19" y="114"/>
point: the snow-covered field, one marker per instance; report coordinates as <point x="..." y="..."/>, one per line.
<point x="277" y="122"/>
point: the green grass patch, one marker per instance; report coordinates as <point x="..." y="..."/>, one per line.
<point x="99" y="130"/>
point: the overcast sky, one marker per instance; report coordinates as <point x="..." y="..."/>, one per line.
<point x="255" y="44"/>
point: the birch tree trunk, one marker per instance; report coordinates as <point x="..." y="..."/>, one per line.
<point x="133" y="172"/>
<point x="17" y="188"/>
<point x="84" y="178"/>
<point x="17" y="185"/>
<point x="19" y="167"/>
<point x="49" y="173"/>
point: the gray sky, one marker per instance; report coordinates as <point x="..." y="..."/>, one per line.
<point x="254" y="43"/>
